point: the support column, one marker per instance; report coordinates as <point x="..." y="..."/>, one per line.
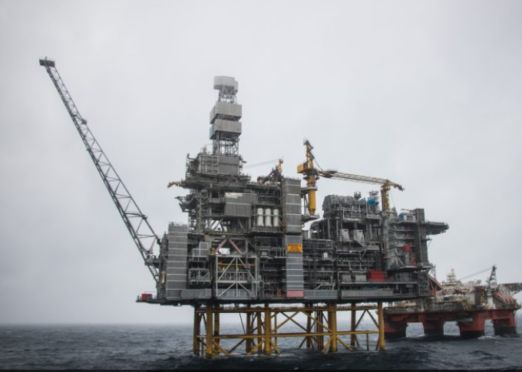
<point x="209" y="338"/>
<point x="353" y="338"/>
<point x="259" y="330"/>
<point x="309" y="343"/>
<point x="276" y="340"/>
<point x="268" y="331"/>
<point x="216" y="331"/>
<point x="506" y="327"/>
<point x="249" y="330"/>
<point x="382" y="344"/>
<point x="474" y="328"/>
<point x="196" y="344"/>
<point x="332" y="324"/>
<point x="319" y="329"/>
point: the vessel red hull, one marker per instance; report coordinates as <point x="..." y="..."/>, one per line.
<point x="470" y="323"/>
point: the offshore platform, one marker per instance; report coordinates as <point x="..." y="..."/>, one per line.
<point x="245" y="250"/>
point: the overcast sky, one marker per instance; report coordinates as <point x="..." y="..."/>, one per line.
<point x="427" y="94"/>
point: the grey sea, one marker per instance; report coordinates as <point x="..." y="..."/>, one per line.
<point x="152" y="347"/>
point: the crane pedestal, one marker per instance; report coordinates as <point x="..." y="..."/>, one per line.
<point x="317" y="326"/>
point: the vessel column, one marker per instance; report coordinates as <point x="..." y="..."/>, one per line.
<point x="507" y="326"/>
<point x="433" y="328"/>
<point x="395" y="330"/>
<point x="473" y="328"/>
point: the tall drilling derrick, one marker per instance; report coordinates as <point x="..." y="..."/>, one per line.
<point x="244" y="245"/>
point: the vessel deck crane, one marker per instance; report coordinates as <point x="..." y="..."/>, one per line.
<point x="136" y="222"/>
<point x="312" y="174"/>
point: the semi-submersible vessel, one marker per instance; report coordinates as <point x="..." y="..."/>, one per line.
<point x="245" y="249"/>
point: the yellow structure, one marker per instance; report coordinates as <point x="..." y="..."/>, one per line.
<point x="263" y="327"/>
<point x="310" y="174"/>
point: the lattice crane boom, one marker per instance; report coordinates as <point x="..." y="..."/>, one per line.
<point x="386" y="185"/>
<point x="136" y="222"/>
<point x="353" y="177"/>
<point x="312" y="174"/>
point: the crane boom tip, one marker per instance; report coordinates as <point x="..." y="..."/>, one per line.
<point x="47" y="63"/>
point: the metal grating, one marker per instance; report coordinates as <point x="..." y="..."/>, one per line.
<point x="177" y="261"/>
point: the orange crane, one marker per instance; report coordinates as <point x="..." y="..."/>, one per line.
<point x="312" y="174"/>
